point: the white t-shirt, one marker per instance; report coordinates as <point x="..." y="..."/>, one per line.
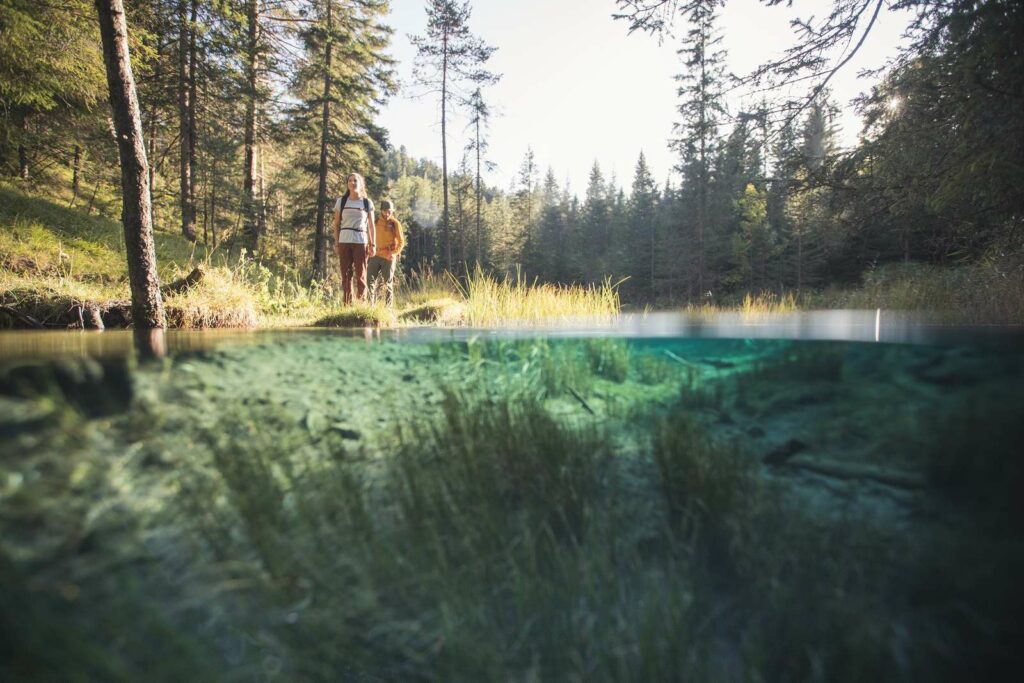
<point x="353" y="221"/>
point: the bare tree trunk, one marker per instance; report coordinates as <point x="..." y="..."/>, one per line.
<point x="192" y="99"/>
<point x="460" y="198"/>
<point x="188" y="207"/>
<point x="151" y="172"/>
<point x="154" y="117"/>
<point x="250" y="228"/>
<point x="320" y="236"/>
<point x="213" y="201"/>
<point x="76" y="178"/>
<point x="23" y="149"/>
<point x="479" y="238"/>
<point x="261" y="196"/>
<point x="799" y="262"/>
<point x="444" y="151"/>
<point x="147" y="304"/>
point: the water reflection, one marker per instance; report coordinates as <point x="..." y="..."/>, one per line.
<point x="838" y="325"/>
<point x="150" y="344"/>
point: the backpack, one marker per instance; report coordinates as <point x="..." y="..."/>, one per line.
<point x="366" y="202"/>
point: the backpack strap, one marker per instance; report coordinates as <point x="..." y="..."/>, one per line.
<point x="366" y="202"/>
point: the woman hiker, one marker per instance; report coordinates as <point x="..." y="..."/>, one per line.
<point x="354" y="237"/>
<point x="381" y="267"/>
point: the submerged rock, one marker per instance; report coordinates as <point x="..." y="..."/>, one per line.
<point x="781" y="454"/>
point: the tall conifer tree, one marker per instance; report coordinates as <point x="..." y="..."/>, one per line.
<point x="447" y="56"/>
<point x="701" y="109"/>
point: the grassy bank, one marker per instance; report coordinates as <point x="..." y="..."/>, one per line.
<point x="54" y="258"/>
<point x="989" y="291"/>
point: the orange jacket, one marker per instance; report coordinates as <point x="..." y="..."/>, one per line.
<point x="389" y="237"/>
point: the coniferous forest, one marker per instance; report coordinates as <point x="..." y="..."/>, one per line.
<point x="253" y="111"/>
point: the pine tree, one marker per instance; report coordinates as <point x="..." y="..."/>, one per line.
<point x="51" y="73"/>
<point x="524" y="207"/>
<point x="447" y="56"/>
<point x="642" y="243"/>
<point x="594" y="224"/>
<point x="551" y="231"/>
<point x="147" y="304"/>
<point x="480" y="114"/>
<point x="701" y="110"/>
<point x="186" y="86"/>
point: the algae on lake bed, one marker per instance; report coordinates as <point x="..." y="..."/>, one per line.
<point x="330" y="509"/>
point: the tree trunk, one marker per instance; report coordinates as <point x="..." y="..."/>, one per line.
<point x="213" y="201"/>
<point x="479" y="240"/>
<point x="192" y="89"/>
<point x="23" y="149"/>
<point x="261" y="194"/>
<point x="76" y="177"/>
<point x="444" y="151"/>
<point x="154" y="116"/>
<point x="460" y="197"/>
<point x="147" y="304"/>
<point x="188" y="207"/>
<point x="320" y="237"/>
<point x="151" y="179"/>
<point x="250" y="228"/>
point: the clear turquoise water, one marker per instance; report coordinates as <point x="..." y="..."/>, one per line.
<point x="866" y="522"/>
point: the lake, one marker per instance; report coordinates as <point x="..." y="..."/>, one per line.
<point x="825" y="496"/>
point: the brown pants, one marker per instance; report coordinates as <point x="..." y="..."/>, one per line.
<point x="353" y="260"/>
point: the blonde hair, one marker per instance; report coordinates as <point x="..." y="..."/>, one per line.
<point x="360" y="183"/>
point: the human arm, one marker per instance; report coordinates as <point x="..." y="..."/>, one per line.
<point x="399" y="241"/>
<point x="371" y="234"/>
<point x="336" y="225"/>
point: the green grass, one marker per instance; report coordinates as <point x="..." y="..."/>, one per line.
<point x="53" y="257"/>
<point x="989" y="291"/>
<point x="491" y="302"/>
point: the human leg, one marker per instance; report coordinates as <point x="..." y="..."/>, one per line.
<point x="389" y="282"/>
<point x="346" y="263"/>
<point x="375" y="266"/>
<point x="359" y="270"/>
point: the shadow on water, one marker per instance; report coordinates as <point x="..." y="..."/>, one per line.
<point x="666" y="498"/>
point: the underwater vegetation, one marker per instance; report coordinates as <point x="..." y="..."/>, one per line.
<point x="538" y="509"/>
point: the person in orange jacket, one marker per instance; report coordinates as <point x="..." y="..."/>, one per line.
<point x="381" y="267"/>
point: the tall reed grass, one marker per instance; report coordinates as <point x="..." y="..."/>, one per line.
<point x="490" y="301"/>
<point x="988" y="291"/>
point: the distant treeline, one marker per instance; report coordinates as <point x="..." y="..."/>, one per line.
<point x="255" y="111"/>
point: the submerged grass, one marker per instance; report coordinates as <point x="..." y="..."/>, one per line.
<point x="494" y="537"/>
<point x="498" y="543"/>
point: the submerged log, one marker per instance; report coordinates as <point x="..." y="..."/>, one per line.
<point x="846" y="470"/>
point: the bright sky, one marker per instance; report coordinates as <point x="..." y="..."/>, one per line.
<point x="577" y="88"/>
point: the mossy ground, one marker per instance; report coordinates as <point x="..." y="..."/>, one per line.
<point x="335" y="509"/>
